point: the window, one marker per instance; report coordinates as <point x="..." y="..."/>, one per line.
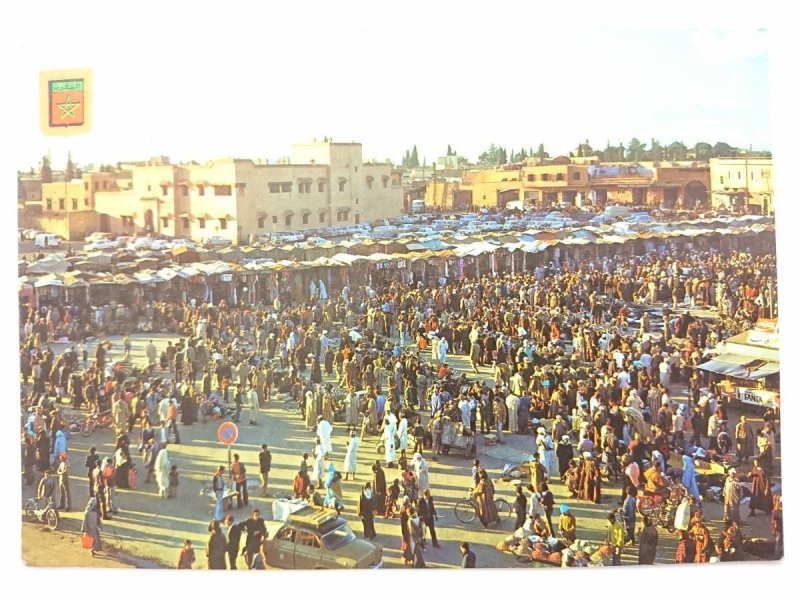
<point x="86" y="202"/>
<point x="61" y="204"/>
<point x="322" y="217"/>
<point x="304" y="187"/>
<point x="164" y="189"/>
<point x="369" y="183"/>
<point x="765" y="174"/>
<point x="531" y="177"/>
<point x="545" y="177"/>
<point x="357" y="219"/>
<point x="576" y="176"/>
<point x="356" y="169"/>
<point x="185" y="222"/>
<point x="286" y="535"/>
<point x="97" y="185"/>
<point x="321" y="186"/>
<point x="201" y="223"/>
<point x="105" y="185"/>
<point x="341" y="215"/>
<point x="149" y="187"/>
<point x="306" y="538"/>
<point x="201" y="190"/>
<point x="721" y="179"/>
<point x="559" y="177"/>
<point x="385" y="182"/>
<point x="305" y="219"/>
<point x="261" y="222"/>
<point x="49" y="203"/>
<point x="280" y="187"/>
<point x="223" y="223"/>
<point x="287" y="220"/>
<point x="356" y="200"/>
<point x="739" y="173"/>
<point x="164" y="222"/>
<point x="184" y="189"/>
<point x="341" y="185"/>
<point x="222" y="190"/>
<point x="74" y="204"/>
<point x="86" y="185"/>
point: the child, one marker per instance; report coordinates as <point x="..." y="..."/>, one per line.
<point x="172" y="490"/>
<point x="392" y="496"/>
<point x="186" y="557"/>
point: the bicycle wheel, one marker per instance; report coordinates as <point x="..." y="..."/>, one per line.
<point x="51" y="518"/>
<point x="86" y="429"/>
<point x="503" y="509"/>
<point x="30" y="507"/>
<point x="465" y="511"/>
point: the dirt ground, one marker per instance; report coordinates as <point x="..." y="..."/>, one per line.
<point x="62" y="548"/>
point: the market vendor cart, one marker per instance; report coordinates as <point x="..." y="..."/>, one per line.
<point x="457" y="437"/>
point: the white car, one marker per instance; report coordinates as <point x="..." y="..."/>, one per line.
<point x="160" y="245"/>
<point x="96" y="236"/>
<point x="101" y="245"/>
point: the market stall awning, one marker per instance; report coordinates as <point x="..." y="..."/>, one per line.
<point x="741" y="366"/>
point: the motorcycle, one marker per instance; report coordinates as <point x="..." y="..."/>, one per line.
<point x="41" y="510"/>
<point x="662" y="509"/>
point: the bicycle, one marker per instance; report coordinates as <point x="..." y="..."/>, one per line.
<point x="466" y="509"/>
<point x="42" y="512"/>
<point x="96" y="421"/>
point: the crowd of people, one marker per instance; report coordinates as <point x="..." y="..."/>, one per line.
<point x="554" y="353"/>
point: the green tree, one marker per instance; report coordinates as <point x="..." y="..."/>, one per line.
<point x="723" y="150"/>
<point x="490" y="156"/>
<point x="541" y="153"/>
<point x="703" y="151"/>
<point x="502" y="156"/>
<point x="656" y="150"/>
<point x="449" y="150"/>
<point x="676" y="151"/>
<point x="414" y="160"/>
<point x="46" y="171"/>
<point x="636" y="150"/>
<point x="585" y="149"/>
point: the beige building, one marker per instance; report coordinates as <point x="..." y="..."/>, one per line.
<point x="68" y="207"/>
<point x="742" y="184"/>
<point x="326" y="184"/>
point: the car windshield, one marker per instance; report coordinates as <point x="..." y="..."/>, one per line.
<point x="338" y="537"/>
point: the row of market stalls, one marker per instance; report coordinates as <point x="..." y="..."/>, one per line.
<point x="260" y="274"/>
<point x="746" y="366"/>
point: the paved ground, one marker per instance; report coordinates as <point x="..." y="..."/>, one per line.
<point x="153" y="529"/>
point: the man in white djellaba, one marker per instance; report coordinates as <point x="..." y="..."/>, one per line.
<point x="324" y="431"/>
<point x="389" y="438"/>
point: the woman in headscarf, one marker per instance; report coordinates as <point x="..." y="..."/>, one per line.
<point x="690" y="478"/>
<point x="328" y="404"/>
<point x="565" y="452"/>
<point x="162" y="467"/>
<point x="420" y="468"/>
<point x="217" y="546"/>
<point x="547" y="452"/>
<point x="761" y="494"/>
<point x="732" y="497"/>
<point x="589" y="481"/>
<point x="366" y="510"/>
<point x="92" y="524"/>
<point x="311" y="411"/>
<point x="379" y="485"/>
<point x="483" y="494"/>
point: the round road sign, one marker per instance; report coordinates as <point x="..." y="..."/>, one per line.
<point x="227" y="433"/>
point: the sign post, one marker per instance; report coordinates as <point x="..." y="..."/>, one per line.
<point x="228" y="433"/>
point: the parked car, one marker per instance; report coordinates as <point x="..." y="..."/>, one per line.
<point x="315" y="538"/>
<point x="102" y="244"/>
<point x="47" y="240"/>
<point x="216" y="241"/>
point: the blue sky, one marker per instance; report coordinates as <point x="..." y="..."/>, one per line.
<point x="200" y="81"/>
